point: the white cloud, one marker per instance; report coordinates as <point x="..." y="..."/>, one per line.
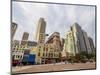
<point x="58" y="17"/>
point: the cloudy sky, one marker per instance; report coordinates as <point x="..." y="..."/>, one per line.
<point x="58" y="18"/>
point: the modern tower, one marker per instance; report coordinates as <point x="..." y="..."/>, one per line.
<point x="77" y="40"/>
<point x="87" y="43"/>
<point x="24" y="38"/>
<point x="13" y="29"/>
<point x="91" y="43"/>
<point x="40" y="34"/>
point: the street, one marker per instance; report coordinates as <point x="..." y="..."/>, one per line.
<point x="52" y="67"/>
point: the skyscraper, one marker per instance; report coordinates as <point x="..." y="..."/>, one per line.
<point x="40" y="34"/>
<point x="91" y="43"/>
<point x="77" y="40"/>
<point x="24" y="38"/>
<point x="13" y="29"/>
<point x="70" y="44"/>
<point x="87" y="43"/>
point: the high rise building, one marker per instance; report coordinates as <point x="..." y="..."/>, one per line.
<point x="77" y="41"/>
<point x="25" y="38"/>
<point x="70" y="44"/>
<point x="78" y="38"/>
<point x="91" y="43"/>
<point x="87" y="43"/>
<point x="40" y="34"/>
<point x="13" y="29"/>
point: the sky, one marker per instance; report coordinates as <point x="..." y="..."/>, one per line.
<point x="58" y="18"/>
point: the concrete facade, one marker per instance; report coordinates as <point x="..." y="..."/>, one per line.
<point x="17" y="54"/>
<point x="47" y="53"/>
<point x="31" y="44"/>
<point x="40" y="34"/>
<point x="77" y="41"/>
<point x="69" y="44"/>
<point x="91" y="44"/>
<point x="25" y="38"/>
<point x="55" y="40"/>
<point x="87" y="43"/>
<point x="13" y="29"/>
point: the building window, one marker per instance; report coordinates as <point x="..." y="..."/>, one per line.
<point x="51" y="55"/>
<point x="39" y="54"/>
<point x="17" y="49"/>
<point x="39" y="49"/>
<point x="14" y="48"/>
<point x="46" y="54"/>
<point x="13" y="57"/>
<point x="18" y="56"/>
<point x="43" y="54"/>
<point x="46" y="49"/>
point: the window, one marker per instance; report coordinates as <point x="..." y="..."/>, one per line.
<point x="49" y="55"/>
<point x="43" y="54"/>
<point x="46" y="49"/>
<point x="46" y="54"/>
<point x="39" y="49"/>
<point x="13" y="56"/>
<point x="18" y="56"/>
<point x="14" y="48"/>
<point x="17" y="49"/>
<point x="39" y="54"/>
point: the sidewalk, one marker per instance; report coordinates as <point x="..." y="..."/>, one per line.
<point x="53" y="67"/>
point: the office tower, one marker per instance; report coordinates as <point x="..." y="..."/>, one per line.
<point x="91" y="43"/>
<point x="77" y="41"/>
<point x="13" y="29"/>
<point x="78" y="38"/>
<point x="24" y="38"/>
<point x="87" y="43"/>
<point x="70" y="43"/>
<point x="40" y="34"/>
